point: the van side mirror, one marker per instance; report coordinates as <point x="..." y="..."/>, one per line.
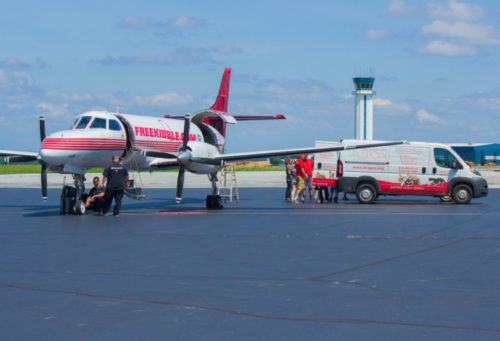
<point x="456" y="165"/>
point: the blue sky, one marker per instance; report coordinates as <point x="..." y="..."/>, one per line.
<point x="436" y="65"/>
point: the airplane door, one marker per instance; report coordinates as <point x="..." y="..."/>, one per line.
<point x="129" y="149"/>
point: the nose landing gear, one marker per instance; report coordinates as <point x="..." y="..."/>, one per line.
<point x="72" y="197"/>
<point x="214" y="201"/>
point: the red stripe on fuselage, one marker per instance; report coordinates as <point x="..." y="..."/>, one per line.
<point x="51" y="143"/>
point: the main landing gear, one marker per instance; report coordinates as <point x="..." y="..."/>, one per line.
<point x="214" y="201"/>
<point x="73" y="197"/>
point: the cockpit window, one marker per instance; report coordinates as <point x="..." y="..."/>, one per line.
<point x="99" y="123"/>
<point x="83" y="122"/>
<point x="114" y="125"/>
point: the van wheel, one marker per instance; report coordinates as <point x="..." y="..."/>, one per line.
<point x="445" y="198"/>
<point x="366" y="194"/>
<point x="462" y="194"/>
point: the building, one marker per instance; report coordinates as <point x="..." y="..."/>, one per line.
<point x="363" y="93"/>
<point x="479" y="153"/>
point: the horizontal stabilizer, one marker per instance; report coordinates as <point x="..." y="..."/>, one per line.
<point x="258" y="117"/>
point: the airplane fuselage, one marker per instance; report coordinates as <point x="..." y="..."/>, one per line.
<point x="95" y="136"/>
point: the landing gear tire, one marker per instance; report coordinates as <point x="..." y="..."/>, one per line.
<point x="445" y="198"/>
<point x="62" y="206"/>
<point x="80" y="207"/>
<point x="462" y="194"/>
<point x="366" y="194"/>
<point x="214" y="202"/>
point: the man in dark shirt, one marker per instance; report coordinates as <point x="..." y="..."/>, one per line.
<point x="115" y="177"/>
<point x="95" y="200"/>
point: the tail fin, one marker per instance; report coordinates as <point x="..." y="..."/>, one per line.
<point x="223" y="97"/>
<point x="220" y="104"/>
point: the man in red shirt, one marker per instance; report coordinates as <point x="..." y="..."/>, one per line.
<point x="301" y="179"/>
<point x="308" y="167"/>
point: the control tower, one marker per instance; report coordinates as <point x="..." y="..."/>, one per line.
<point x="363" y="129"/>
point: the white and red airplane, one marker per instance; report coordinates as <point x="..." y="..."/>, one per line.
<point x="145" y="143"/>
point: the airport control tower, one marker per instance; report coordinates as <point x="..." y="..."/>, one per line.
<point x="363" y="129"/>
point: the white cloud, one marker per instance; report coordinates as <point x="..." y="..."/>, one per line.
<point x="184" y="22"/>
<point x="52" y="110"/>
<point x="398" y="7"/>
<point x="134" y="22"/>
<point x="3" y="76"/>
<point x="377" y="34"/>
<point x="455" y="10"/>
<point x="448" y="49"/>
<point x="474" y="33"/>
<point x="390" y="105"/>
<point x="424" y="116"/>
<point x="163" y="100"/>
<point x="492" y="103"/>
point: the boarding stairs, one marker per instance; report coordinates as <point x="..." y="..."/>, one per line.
<point x="228" y="188"/>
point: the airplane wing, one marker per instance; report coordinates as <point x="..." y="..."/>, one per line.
<point x="298" y="151"/>
<point x="18" y="156"/>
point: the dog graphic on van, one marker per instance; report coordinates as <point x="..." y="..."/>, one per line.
<point x="436" y="181"/>
<point x="408" y="180"/>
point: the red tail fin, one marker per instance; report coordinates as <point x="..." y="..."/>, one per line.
<point x="223" y="97"/>
<point x="220" y="104"/>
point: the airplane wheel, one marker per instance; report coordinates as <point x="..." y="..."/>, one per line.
<point x="218" y="202"/>
<point x="80" y="207"/>
<point x="62" y="205"/>
<point x="214" y="202"/>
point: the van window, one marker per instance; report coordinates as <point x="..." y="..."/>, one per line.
<point x="99" y="123"/>
<point x="82" y="124"/>
<point x="444" y="158"/>
<point x="114" y="125"/>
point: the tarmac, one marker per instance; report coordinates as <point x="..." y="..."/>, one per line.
<point x="404" y="268"/>
<point x="266" y="179"/>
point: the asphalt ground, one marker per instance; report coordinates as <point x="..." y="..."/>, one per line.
<point x="404" y="268"/>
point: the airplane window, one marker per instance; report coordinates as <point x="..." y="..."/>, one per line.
<point x="83" y="122"/>
<point x="99" y="123"/>
<point x="114" y="125"/>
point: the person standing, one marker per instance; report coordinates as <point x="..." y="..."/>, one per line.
<point x="308" y="167"/>
<point x="301" y="179"/>
<point x="290" y="178"/>
<point x="115" y="177"/>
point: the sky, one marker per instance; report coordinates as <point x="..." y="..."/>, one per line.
<point x="436" y="66"/>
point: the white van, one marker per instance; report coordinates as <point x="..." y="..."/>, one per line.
<point x="415" y="168"/>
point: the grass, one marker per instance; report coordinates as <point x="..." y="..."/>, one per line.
<point x="35" y="169"/>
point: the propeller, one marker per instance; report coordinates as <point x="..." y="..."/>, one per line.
<point x="44" y="165"/>
<point x="183" y="157"/>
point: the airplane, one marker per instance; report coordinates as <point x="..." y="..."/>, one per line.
<point x="147" y="143"/>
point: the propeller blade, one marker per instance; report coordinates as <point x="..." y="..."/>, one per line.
<point x="180" y="184"/>
<point x="44" y="181"/>
<point x="185" y="137"/>
<point x="42" y="128"/>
